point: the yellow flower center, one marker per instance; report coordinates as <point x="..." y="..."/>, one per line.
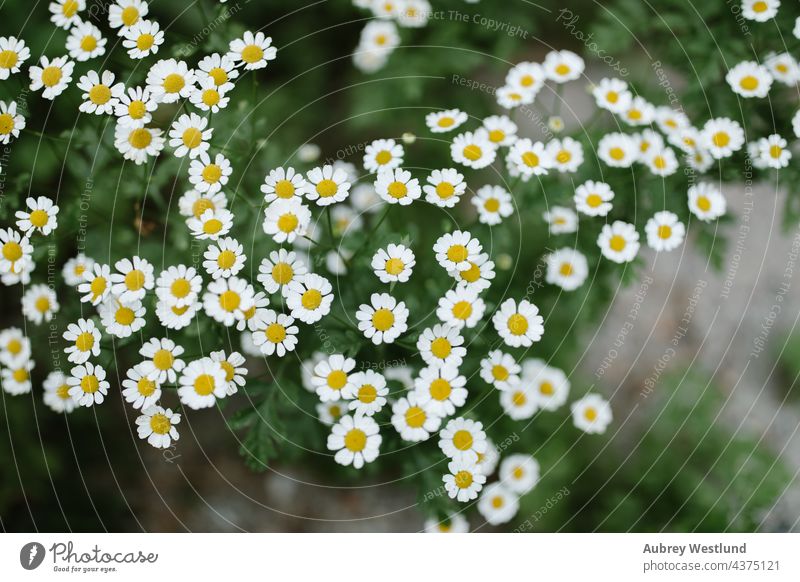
<point x="775" y="151"/>
<point x="397" y="190"/>
<point x="546" y="388"/>
<point x="500" y="372"/>
<point x="383" y="319"/>
<point x="88" y="43"/>
<point x="38" y="218"/>
<point x="219" y="75"/>
<point x="163" y="360"/>
<point x="134" y="280"/>
<point x="20" y="375"/>
<point x="90" y="384"/>
<point x="63" y="392"/>
<point x="462" y="440"/>
<point x="415" y="417"/>
<point x="282" y="273"/>
<point x="463" y="479"/>
<point x="210" y="97"/>
<point x="124" y="316"/>
<point x="492" y="205"/>
<point x="617" y="243"/>
<point x="394" y="266"/>
<point x="212" y="226"/>
<point x="440" y="389"/>
<point x="8" y="59"/>
<point x="84" y="342"/>
<point x="229" y="301"/>
<point x="472" y="274"/>
<point x="69" y="8"/>
<point x="530" y="159"/>
<point x="457" y="253"/>
<point x="563" y="69"/>
<point x="517" y="324"/>
<point x="367" y="394"/>
<point x="14" y="346"/>
<point x="6" y="123"/>
<point x="664" y="231"/>
<point x="137" y="109"/>
<point x="160" y="424"/>
<point x="145" y="41"/>
<point x="275" y="333"/>
<point x="441" y="347"/>
<point x="383" y="157"/>
<point x="311" y="299"/>
<point x="204" y="384"/>
<point x="180" y="288"/>
<point x="129" y="16"/>
<point x="252" y="54"/>
<point x="230" y="371"/>
<point x="98" y="286"/>
<point x="462" y="310"/>
<point x="590" y="414"/>
<point x="445" y="122"/>
<point x="355" y="440"/>
<point x="473" y="152"/>
<point x="612" y="96"/>
<point x="497" y="135"/>
<point x="226" y="259"/>
<point x="594" y="200"/>
<point x="140" y="138"/>
<point x="145" y="387"/>
<point x="445" y="190"/>
<point x="12" y="251"/>
<point x="749" y="83"/>
<point x="337" y="379"/>
<point x="173" y="83"/>
<point x="721" y="139"/>
<point x="566" y="269"/>
<point x="703" y="203"/>
<point x="616" y="153"/>
<point x="519" y="398"/>
<point x="327" y="188"/>
<point x="192" y="137"/>
<point x="51" y="76"/>
<point x="285" y="189"/>
<point x="497" y="502"/>
<point x="288" y="222"/>
<point x="42" y="304"/>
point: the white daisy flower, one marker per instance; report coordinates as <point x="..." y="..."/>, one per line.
<point x="142" y="39"/>
<point x="383" y="319"/>
<point x="13" y="54"/>
<point x="591" y="414"/>
<point x="174" y="317"/>
<point x="209" y="97"/>
<point x="383" y="154"/>
<point x="444" y="121"/>
<point x="39" y="217"/>
<point x="478" y="277"/>
<point x="721" y="137"/>
<point x="96" y="284"/>
<point x="66" y="13"/>
<point x="561" y="220"/>
<point x="394" y="263"/>
<point x="397" y="186"/>
<point x="619" y="242"/>
<point x="273" y="332"/>
<point x="687" y="139"/>
<point x="343" y="219"/>
<point x="85" y="41"/>
<point x="202" y="382"/>
<point x="356" y="441"/>
<point x="461" y="307"/>
<point x="157" y="426"/>
<point x="11" y="123"/>
<point x="188" y="135"/>
<point x="132" y="280"/>
<point x="526" y="77"/>
<point x="473" y="149"/>
<point x="463" y="439"/>
<point x="617" y="150"/>
<point x="783" y="68"/>
<point x="379" y="38"/>
<point x="178" y="286"/>
<point x="664" y="231"/>
<point x="226" y="300"/>
<point x="671" y="120"/>
<point x="567" y="268"/>
<point x="134" y="109"/>
<point x="331" y="377"/>
<point x="211" y="224"/>
<point x="593" y="198"/>
<point x="463" y="481"/>
<point x="498" y="504"/>
<point x="207" y="175"/>
<point x="87" y="384"/>
<point x="773" y="152"/>
<point x="220" y="68"/>
<point x="121" y="319"/>
<point x="661" y="162"/>
<point x="260" y="301"/>
<point x="565" y="155"/>
<point x="162" y="361"/>
<point x="234" y="371"/>
<point x="518" y="324"/>
<point x="529" y="158"/>
<point x="39" y="304"/>
<point x="487" y="461"/>
<point x="139" y="390"/>
<point x="279" y="269"/>
<point x="56" y="393"/>
<point x="365" y="199"/>
<point x="14" y="346"/>
<point x="455" y="523"/>
<point x="441" y="345"/>
<point x="84" y="338"/>
<point x="612" y="95"/>
<point x="252" y="51"/>
<point x="511" y="97"/>
<point x="760" y="10"/>
<point x="284" y="184"/>
<point x="16" y="380"/>
<point x="170" y="80"/>
<point x="749" y="79"/>
<point x="100" y="93"/>
<point x="125" y="13"/>
<point x="138" y="144"/>
<point x="500" y="370"/>
<point x="414" y="13"/>
<point x="327" y="185"/>
<point x="493" y="204"/>
<point x="413" y="421"/>
<point x="369" y="60"/>
<point x="455" y="251"/>
<point x="549" y="385"/>
<point x="367" y="392"/>
<point x="700" y="161"/>
<point x="640" y="112"/>
<point x="501" y="130"/>
<point x="329" y="413"/>
<point x="309" y="297"/>
<point x="440" y="389"/>
<point x="224" y="259"/>
<point x="194" y="204"/>
<point x="562" y="66"/>
<point x="52" y="76"/>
